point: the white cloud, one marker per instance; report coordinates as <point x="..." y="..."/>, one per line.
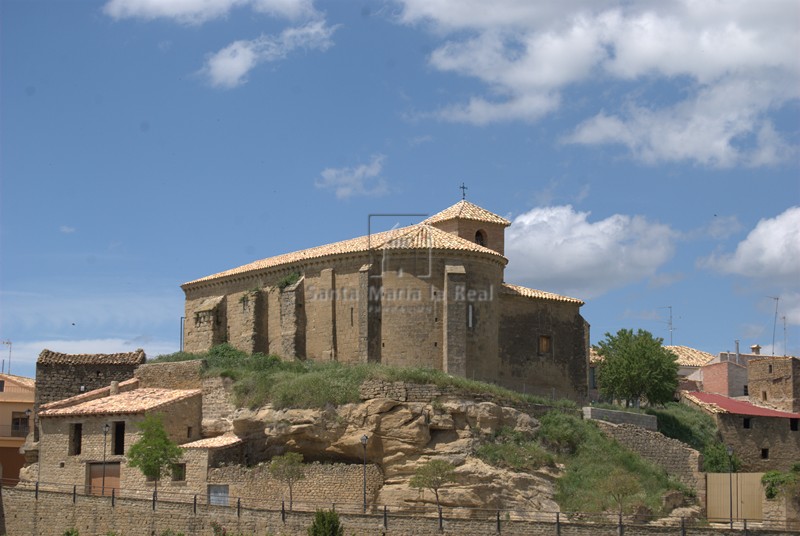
<point x="769" y="254"/>
<point x="364" y="179"/>
<point x="229" y="67"/>
<point x="66" y="229"/>
<point x="558" y="248"/>
<point x="713" y="70"/>
<point x="200" y="11"/>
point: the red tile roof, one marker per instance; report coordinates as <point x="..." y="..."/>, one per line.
<point x="516" y="290"/>
<point x="136" y="401"/>
<point x="413" y="237"/>
<point x="217" y="442"/>
<point x="464" y="210"/>
<point x="723" y="404"/>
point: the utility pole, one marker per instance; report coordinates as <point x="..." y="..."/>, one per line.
<point x="669" y="322"/>
<point x="774" y="325"/>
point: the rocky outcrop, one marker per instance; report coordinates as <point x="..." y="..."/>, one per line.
<point x="403" y="435"/>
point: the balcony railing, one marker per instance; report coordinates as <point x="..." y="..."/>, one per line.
<point x="14" y="430"/>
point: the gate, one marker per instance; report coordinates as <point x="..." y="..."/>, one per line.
<point x="734" y="496"/>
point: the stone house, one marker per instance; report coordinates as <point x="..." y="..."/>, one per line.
<point x="727" y="373"/>
<point x="60" y="376"/>
<point x="428" y="295"/>
<point x="775" y="381"/>
<point x="84" y="439"/>
<point x="763" y="438"/>
<point x="16" y="405"/>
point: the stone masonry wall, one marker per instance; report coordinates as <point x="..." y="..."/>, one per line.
<point x="675" y="457"/>
<point x="648" y="422"/>
<point x="177" y="375"/>
<point x="775" y="382"/>
<point x="52" y="513"/>
<point x="323" y="485"/>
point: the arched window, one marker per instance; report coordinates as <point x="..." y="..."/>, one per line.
<point x="480" y="237"/>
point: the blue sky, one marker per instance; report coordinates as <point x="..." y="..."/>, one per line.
<point x="647" y="153"/>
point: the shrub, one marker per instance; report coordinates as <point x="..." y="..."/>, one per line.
<point x="326" y="523"/>
<point x="561" y="432"/>
<point x="288" y="280"/>
<point x="71" y="532"/>
<point x="514" y="450"/>
<point x="715" y="459"/>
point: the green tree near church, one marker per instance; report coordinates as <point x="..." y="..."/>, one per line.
<point x="636" y="367"/>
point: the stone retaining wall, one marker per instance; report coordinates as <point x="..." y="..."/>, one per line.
<point x="675" y="457"/>
<point x="649" y="422"/>
<point x="53" y="513"/>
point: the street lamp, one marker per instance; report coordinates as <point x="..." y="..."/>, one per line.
<point x="105" y="435"/>
<point x="364" y="440"/>
<point x="729" y="450"/>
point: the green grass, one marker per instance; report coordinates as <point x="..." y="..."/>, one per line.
<point x="686" y="424"/>
<point x="514" y="450"/>
<point x="260" y="379"/>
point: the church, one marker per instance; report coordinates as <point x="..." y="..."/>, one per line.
<point x="428" y="295"/>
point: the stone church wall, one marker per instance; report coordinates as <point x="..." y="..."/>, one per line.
<point x="561" y="372"/>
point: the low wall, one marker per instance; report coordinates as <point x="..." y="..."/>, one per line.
<point x="53" y="513"/>
<point x="648" y="422"/>
<point x="676" y="458"/>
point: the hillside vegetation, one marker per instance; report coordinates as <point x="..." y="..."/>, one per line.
<point x="590" y="461"/>
<point x="267" y="379"/>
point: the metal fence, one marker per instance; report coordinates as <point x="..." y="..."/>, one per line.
<point x="384" y="513"/>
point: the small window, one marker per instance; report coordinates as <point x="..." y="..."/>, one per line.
<point x="746" y="392"/>
<point x="189" y="432"/>
<point x="178" y="472"/>
<point x="351" y="317"/>
<point x="545" y="344"/>
<point x="118" y="439"/>
<point x="769" y="369"/>
<point x="764" y="396"/>
<point x="480" y="238"/>
<point x="19" y="424"/>
<point x="2" y="385"/>
<point x="765" y="454"/>
<point x="746" y="422"/>
<point x="75" y="432"/>
<point x="793" y="424"/>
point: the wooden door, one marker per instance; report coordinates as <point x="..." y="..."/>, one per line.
<point x="100" y="482"/>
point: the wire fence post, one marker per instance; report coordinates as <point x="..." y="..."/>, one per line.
<point x="238" y="507"/>
<point x="194" y="505"/>
<point x="36" y="494"/>
<point x="621" y="529"/>
<point x="385" y="517"/>
<point x="283" y="512"/>
<point x="745" y="528"/>
<point x="558" y="523"/>
<point x="74" y="493"/>
<point x="113" y="497"/>
<point x="683" y="526"/>
<point x="154" y="500"/>
<point x="498" y="522"/>
<point x="441" y="522"/>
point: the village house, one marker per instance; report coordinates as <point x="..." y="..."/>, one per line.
<point x="763" y="439"/>
<point x="428" y="295"/>
<point x="16" y="405"/>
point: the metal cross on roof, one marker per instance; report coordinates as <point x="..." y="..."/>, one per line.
<point x="463" y="191"/>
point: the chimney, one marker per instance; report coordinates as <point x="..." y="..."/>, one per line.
<point x="737" y="352"/>
<point x="756" y="349"/>
<point x="114" y="388"/>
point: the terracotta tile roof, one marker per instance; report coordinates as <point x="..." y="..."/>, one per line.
<point x="22" y="381"/>
<point x="687" y="357"/>
<point x="413" y="237"/>
<point x="715" y="403"/>
<point x="516" y="290"/>
<point x="48" y="357"/>
<point x="690" y="357"/>
<point x="127" y="385"/>
<point x="135" y="401"/>
<point x="465" y="210"/>
<point x="226" y="440"/>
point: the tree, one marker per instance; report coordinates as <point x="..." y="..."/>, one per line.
<point x="154" y="453"/>
<point x="326" y="523"/>
<point x="619" y="485"/>
<point x="636" y="366"/>
<point x="288" y="469"/>
<point x="433" y="475"/>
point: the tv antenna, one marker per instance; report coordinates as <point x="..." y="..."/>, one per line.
<point x="775" y="322"/>
<point x="8" y="343"/>
<point x="669" y="322"/>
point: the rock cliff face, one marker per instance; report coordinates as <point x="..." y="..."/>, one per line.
<point x="403" y="435"/>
